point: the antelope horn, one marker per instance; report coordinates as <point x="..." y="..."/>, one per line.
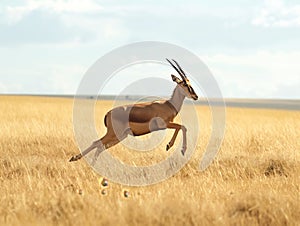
<point x="179" y="72"/>
<point x="180" y="68"/>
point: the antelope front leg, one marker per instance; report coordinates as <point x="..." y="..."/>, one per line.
<point x="172" y="141"/>
<point x="177" y="127"/>
<point x="183" y="150"/>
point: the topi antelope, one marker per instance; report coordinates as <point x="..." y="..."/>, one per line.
<point x="143" y="118"/>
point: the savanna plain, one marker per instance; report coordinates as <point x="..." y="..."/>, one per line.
<point x="254" y="180"/>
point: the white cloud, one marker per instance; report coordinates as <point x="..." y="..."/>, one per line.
<point x="258" y="75"/>
<point x="67" y="22"/>
<point x="14" y="14"/>
<point x="276" y="13"/>
<point x="107" y="28"/>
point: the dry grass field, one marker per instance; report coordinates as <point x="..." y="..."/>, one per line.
<point x="255" y="179"/>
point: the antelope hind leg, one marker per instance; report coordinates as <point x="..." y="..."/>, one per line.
<point x="80" y="155"/>
<point x="108" y="142"/>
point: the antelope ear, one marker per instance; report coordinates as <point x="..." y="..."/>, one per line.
<point x="176" y="79"/>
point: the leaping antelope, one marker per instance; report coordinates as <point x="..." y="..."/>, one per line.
<point x="143" y="118"/>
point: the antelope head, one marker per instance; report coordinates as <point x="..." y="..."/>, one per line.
<point x="184" y="82"/>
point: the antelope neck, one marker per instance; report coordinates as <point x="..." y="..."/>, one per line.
<point x="177" y="98"/>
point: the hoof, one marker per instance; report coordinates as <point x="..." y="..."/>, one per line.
<point x="168" y="147"/>
<point x="75" y="158"/>
<point x="72" y="159"/>
<point x="183" y="152"/>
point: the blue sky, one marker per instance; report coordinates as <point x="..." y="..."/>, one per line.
<point x="251" y="47"/>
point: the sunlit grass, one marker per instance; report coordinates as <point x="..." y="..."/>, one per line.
<point x="254" y="180"/>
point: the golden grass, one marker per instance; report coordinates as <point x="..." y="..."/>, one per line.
<point x="255" y="179"/>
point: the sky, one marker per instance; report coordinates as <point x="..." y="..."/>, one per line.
<point x="251" y="47"/>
